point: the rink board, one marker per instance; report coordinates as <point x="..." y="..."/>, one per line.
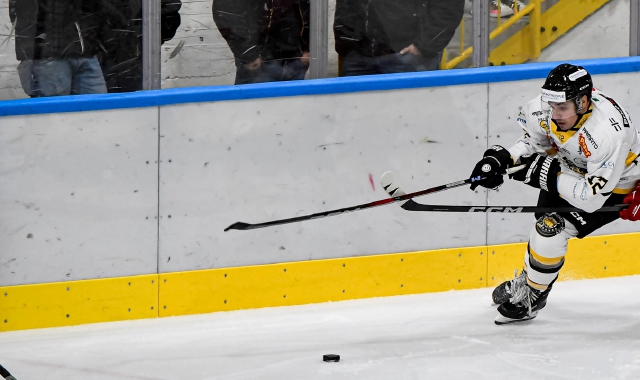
<point x="298" y="283"/>
<point x="115" y="187"/>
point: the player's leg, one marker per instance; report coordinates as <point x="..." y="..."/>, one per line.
<point x="522" y="297"/>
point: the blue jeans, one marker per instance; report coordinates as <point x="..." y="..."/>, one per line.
<point x="54" y="77"/>
<point x="356" y="64"/>
<point x="271" y="71"/>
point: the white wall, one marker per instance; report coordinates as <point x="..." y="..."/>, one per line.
<point x="79" y="191"/>
<point x="78" y="195"/>
<point x="266" y="159"/>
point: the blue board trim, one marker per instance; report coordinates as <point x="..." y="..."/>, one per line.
<point x="308" y="87"/>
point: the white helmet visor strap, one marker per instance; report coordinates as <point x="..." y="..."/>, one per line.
<point x="553" y="96"/>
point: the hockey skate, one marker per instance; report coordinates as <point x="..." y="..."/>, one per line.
<point x="503" y="292"/>
<point x="518" y="301"/>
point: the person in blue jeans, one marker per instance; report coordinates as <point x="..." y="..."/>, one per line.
<point x="56" y="44"/>
<point x="389" y="36"/>
<point x="269" y="39"/>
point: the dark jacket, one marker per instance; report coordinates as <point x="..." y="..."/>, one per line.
<point x="121" y="58"/>
<point x="55" y="28"/>
<point x="273" y="29"/>
<point x="378" y="27"/>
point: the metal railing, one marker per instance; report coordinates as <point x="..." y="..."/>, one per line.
<point x="480" y="24"/>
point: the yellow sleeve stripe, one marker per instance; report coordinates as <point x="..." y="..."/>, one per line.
<point x="630" y="158"/>
<point x="618" y="190"/>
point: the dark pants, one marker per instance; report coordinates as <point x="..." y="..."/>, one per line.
<point x="584" y="222"/>
<point x="356" y="64"/>
<point x="272" y="71"/>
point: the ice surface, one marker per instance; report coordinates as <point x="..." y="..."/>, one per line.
<point x="589" y="330"/>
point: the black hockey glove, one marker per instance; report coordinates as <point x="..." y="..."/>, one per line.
<point x="494" y="164"/>
<point x="541" y="172"/>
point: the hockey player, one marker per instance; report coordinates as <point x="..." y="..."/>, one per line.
<point x="580" y="149"/>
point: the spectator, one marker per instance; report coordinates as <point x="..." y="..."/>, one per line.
<point x="121" y="59"/>
<point x="388" y="36"/>
<point x="269" y="39"/>
<point x="56" y="44"/>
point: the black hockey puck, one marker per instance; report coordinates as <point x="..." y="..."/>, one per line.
<point x="330" y="358"/>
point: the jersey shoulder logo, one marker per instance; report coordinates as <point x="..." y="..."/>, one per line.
<point x="545" y="126"/>
<point x="583" y="145"/>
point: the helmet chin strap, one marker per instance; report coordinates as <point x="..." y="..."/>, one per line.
<point x="578" y="103"/>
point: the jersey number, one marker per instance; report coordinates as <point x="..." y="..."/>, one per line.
<point x="597" y="184"/>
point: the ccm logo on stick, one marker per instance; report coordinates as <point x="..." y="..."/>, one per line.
<point x="495" y="209"/>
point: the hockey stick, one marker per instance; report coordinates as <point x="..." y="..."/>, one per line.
<point x="403" y="197"/>
<point x="391" y="187"/>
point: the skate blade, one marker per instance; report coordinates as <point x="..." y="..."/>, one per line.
<point x="502" y="320"/>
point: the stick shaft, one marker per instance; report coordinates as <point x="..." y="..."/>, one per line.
<point x="247" y="226"/>
<point x="411" y="205"/>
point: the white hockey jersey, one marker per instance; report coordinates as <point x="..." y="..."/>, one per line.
<point x="599" y="156"/>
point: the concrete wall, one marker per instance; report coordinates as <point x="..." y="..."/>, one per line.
<point x="107" y="194"/>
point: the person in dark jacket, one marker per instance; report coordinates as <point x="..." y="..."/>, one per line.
<point x="56" y="44"/>
<point x="269" y="39"/>
<point x="121" y="59"/>
<point x="390" y="36"/>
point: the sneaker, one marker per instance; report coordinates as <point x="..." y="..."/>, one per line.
<point x="518" y="301"/>
<point x="501" y="10"/>
<point x="512" y="5"/>
<point x="507" y="7"/>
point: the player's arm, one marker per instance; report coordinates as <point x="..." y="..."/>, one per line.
<point x="604" y="170"/>
<point x="534" y="138"/>
<point x="496" y="160"/>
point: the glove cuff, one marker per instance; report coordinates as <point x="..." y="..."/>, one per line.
<point x="549" y="172"/>
<point x="501" y="156"/>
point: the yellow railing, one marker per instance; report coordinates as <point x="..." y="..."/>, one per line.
<point x="534" y="12"/>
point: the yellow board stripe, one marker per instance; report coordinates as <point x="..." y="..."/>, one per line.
<point x="78" y="302"/>
<point x="204" y="291"/>
<point x="322" y="280"/>
<point x="545" y="260"/>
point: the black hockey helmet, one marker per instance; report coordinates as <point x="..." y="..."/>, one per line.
<point x="567" y="82"/>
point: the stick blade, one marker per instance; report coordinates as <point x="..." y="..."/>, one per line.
<point x="388" y="183"/>
<point x="238" y="226"/>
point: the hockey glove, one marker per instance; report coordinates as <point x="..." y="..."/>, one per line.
<point x="540" y="172"/>
<point x="494" y="164"/>
<point x="633" y="211"/>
